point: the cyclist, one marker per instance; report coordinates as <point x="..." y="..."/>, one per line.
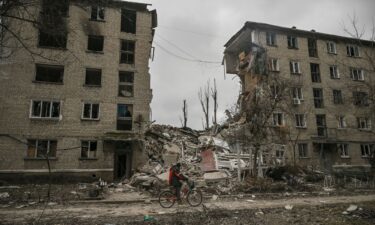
<point x="174" y="179"/>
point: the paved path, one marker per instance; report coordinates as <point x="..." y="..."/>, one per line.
<point x="139" y="209"/>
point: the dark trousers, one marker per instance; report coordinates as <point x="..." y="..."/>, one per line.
<point x="177" y="187"/>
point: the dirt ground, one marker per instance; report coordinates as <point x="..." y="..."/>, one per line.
<point x="306" y="210"/>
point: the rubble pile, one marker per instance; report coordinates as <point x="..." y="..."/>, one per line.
<point x="205" y="159"/>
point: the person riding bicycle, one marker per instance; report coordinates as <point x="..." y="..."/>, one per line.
<point x="174" y="179"/>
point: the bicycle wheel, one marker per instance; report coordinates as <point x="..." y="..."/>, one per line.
<point x="167" y="199"/>
<point x="194" y="198"/>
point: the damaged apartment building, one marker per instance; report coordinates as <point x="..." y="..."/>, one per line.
<point x="79" y="92"/>
<point x="330" y="86"/>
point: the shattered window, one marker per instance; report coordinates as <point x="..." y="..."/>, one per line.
<point x="88" y="149"/>
<point x="331" y="47"/>
<point x="352" y="51"/>
<point x="124" y="117"/>
<point x="318" y="97"/>
<point x="343" y="150"/>
<point x="128" y="21"/>
<point x="366" y="150"/>
<point x="97" y="13"/>
<point x="300" y="120"/>
<point x="337" y="97"/>
<point x="334" y="72"/>
<point x="360" y="98"/>
<point x="49" y="73"/>
<point x="41" y="148"/>
<point x="45" y="109"/>
<point x="271" y="39"/>
<point x="315" y="73"/>
<point x="95" y="43"/>
<point x="90" y="111"/>
<point x="278" y="119"/>
<point x="126" y="84"/>
<point x="312" y="46"/>
<point x="52" y="39"/>
<point x="357" y="74"/>
<point x="292" y="42"/>
<point x="127" y="52"/>
<point x="93" y="77"/>
<point x="364" y="123"/>
<point x="302" y="150"/>
<point x="56" y="7"/>
<point x="52" y="32"/>
<point x="294" y="67"/>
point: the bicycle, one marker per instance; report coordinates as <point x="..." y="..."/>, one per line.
<point x="194" y="197"/>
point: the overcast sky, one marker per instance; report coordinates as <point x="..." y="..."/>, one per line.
<point x="198" y="29"/>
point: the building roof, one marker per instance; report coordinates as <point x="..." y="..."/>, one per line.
<point x="295" y="31"/>
<point x="119" y="3"/>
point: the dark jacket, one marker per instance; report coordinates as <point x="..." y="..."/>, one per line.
<point x="175" y="176"/>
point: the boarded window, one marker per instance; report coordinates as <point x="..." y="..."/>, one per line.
<point x="88" y="149"/>
<point x="41" y="148"/>
<point x="93" y="77"/>
<point x="95" y="43"/>
<point x="124" y="117"/>
<point x="127" y="52"/>
<point x="128" y="21"/>
<point x="49" y="73"/>
<point x="45" y="109"/>
<point x="126" y="84"/>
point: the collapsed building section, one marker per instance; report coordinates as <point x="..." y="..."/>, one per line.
<point x="312" y="80"/>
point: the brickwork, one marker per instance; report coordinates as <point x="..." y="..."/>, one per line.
<point x="350" y="135"/>
<point x="18" y="89"/>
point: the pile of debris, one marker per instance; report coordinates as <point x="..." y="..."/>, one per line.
<point x="207" y="160"/>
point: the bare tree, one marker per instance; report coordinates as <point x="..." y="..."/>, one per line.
<point x="365" y="39"/>
<point x="214" y="98"/>
<point x="204" y="99"/>
<point x="184" y="119"/>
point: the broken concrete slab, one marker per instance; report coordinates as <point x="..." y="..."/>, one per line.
<point x="215" y="176"/>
